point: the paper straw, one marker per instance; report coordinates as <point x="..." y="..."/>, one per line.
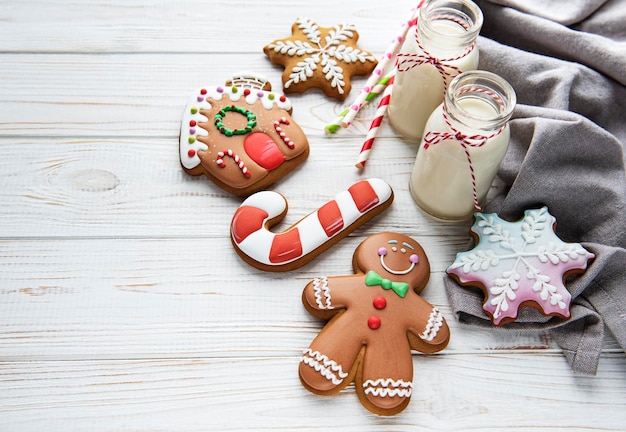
<point x="392" y="50"/>
<point x="378" y="89"/>
<point x="378" y="119"/>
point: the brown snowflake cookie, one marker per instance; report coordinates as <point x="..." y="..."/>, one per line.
<point x="376" y="319"/>
<point x="323" y="57"/>
<point x="241" y="135"/>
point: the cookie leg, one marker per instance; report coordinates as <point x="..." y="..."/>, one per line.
<point x="384" y="382"/>
<point x="328" y="365"/>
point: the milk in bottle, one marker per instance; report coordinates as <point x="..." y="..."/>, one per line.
<point x="438" y="48"/>
<point x="465" y="140"/>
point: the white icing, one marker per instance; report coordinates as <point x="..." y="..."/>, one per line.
<point x="326" y="367"/>
<point x="272" y="202"/>
<point x="396" y="272"/>
<point x="329" y="55"/>
<point x="388" y="387"/>
<point x="322" y="293"/>
<point x="269" y="100"/>
<point x="258" y="244"/>
<point x="193" y="161"/>
<point x="517" y="262"/>
<point x="435" y="321"/>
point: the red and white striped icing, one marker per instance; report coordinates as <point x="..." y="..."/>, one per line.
<point x="252" y="237"/>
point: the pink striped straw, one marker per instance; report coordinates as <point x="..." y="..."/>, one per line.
<point x="384" y="61"/>
<point x="373" y="130"/>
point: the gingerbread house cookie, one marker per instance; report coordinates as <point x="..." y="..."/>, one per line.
<point x="241" y="135"/>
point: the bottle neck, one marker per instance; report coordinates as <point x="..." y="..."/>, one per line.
<point x="447" y="28"/>
<point x="479" y="101"/>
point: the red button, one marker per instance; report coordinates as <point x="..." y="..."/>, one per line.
<point x="380" y="302"/>
<point x="373" y="322"/>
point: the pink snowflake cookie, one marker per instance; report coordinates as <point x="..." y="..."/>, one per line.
<point x="518" y="264"/>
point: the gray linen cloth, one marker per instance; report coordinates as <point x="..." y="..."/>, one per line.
<point x="567" y="63"/>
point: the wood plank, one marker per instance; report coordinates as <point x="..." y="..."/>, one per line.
<point x="458" y="392"/>
<point x="182" y="26"/>
<point x="136" y="188"/>
<point x="168" y="298"/>
<point x="121" y="95"/>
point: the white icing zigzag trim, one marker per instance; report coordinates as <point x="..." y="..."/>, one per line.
<point x="388" y="388"/>
<point x="322" y="293"/>
<point x="328" y="368"/>
<point x="435" y="321"/>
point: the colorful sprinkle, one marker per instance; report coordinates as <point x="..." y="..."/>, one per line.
<point x="191" y="153"/>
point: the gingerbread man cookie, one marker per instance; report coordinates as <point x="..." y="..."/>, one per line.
<point x="518" y="264"/>
<point x="241" y="135"/>
<point x="376" y="319"/>
<point x="323" y="57"/>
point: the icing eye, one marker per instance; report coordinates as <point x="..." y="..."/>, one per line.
<point x="382" y="251"/>
<point x="414" y="259"/>
<point x="395" y="249"/>
<point x="403" y="250"/>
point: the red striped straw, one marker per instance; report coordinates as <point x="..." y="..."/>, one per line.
<point x="385" y="60"/>
<point x="373" y="130"/>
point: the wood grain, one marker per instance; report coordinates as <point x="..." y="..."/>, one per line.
<point x="122" y="304"/>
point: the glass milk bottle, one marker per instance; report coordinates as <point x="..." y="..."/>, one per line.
<point x="438" y="48"/>
<point x="464" y="142"/>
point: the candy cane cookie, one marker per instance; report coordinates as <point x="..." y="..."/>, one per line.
<point x="312" y="235"/>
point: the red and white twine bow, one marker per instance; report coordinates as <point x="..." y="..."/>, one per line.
<point x="407" y="61"/>
<point x="466" y="141"/>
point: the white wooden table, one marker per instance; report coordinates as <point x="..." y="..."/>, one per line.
<point x="123" y="306"/>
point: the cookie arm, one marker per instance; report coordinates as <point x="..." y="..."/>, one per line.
<point x="324" y="297"/>
<point x="428" y="331"/>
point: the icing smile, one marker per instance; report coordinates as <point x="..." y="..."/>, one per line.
<point x="413" y="258"/>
